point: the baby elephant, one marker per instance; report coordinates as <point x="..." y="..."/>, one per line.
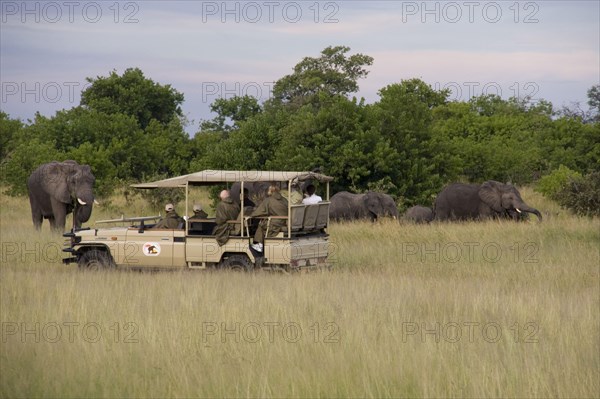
<point x="419" y="214"/>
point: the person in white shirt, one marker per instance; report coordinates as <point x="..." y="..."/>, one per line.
<point x="312" y="197"/>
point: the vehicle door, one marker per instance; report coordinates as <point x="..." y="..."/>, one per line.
<point x="149" y="248"/>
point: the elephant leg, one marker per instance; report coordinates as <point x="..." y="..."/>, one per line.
<point x="36" y="214"/>
<point x="37" y="218"/>
<point x="52" y="222"/>
<point x="373" y="217"/>
<point x="59" y="211"/>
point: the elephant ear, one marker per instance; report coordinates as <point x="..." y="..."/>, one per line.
<point x="491" y="194"/>
<point x="54" y="181"/>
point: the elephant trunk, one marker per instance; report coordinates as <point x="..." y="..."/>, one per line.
<point x="82" y="214"/>
<point x="528" y="209"/>
<point x="83" y="207"/>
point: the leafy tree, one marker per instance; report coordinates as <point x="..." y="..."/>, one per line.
<point x="594" y="97"/>
<point x="341" y="138"/>
<point x="10" y="129"/>
<point x="23" y="160"/>
<point x="582" y="194"/>
<point x="576" y="111"/>
<point x="494" y="138"/>
<point x="230" y="113"/>
<point x="594" y="103"/>
<point x="570" y="142"/>
<point x="552" y="184"/>
<point x="405" y="116"/>
<point x="135" y="95"/>
<point x="333" y="73"/>
<point x="167" y="147"/>
<point x="249" y="146"/>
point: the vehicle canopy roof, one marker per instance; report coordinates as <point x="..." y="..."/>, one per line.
<point x="206" y="177"/>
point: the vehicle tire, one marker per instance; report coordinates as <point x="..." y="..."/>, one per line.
<point x="237" y="263"/>
<point x="96" y="259"/>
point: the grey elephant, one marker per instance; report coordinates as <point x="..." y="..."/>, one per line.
<point x="491" y="199"/>
<point x="418" y="214"/>
<point x="59" y="188"/>
<point x="370" y="205"/>
<point x="257" y="191"/>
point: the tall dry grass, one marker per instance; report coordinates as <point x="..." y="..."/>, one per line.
<point x="493" y="309"/>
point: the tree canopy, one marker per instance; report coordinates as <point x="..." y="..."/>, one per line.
<point x="409" y="143"/>
<point x="133" y="94"/>
<point x="332" y="73"/>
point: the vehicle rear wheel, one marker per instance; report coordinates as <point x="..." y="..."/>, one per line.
<point x="237" y="263"/>
<point x="96" y="259"/>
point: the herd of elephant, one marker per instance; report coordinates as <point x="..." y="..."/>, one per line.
<point x="59" y="188"/>
<point x="457" y="201"/>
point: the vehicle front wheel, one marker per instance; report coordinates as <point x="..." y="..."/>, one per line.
<point x="237" y="263"/>
<point x="96" y="259"/>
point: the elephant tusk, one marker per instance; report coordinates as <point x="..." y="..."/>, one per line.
<point x="81" y="202"/>
<point x="96" y="202"/>
<point x="518" y="210"/>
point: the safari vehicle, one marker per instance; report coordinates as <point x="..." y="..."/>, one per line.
<point x="304" y="246"/>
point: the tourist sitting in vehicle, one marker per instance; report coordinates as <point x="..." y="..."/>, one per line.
<point x="227" y="210"/>
<point x="311" y="198"/>
<point x="273" y="205"/>
<point x="171" y="220"/>
<point x="198" y="213"/>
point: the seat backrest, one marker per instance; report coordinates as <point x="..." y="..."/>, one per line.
<point x="322" y="215"/>
<point x="310" y="216"/>
<point x="195" y="226"/>
<point x="297" y="218"/>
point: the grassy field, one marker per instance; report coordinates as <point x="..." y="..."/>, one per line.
<point x="493" y="309"/>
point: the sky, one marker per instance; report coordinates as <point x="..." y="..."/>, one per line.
<point x="210" y="49"/>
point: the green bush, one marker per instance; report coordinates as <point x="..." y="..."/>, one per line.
<point x="582" y="195"/>
<point x="554" y="183"/>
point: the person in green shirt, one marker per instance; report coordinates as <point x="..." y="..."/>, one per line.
<point x="171" y="220"/>
<point x="273" y="205"/>
<point x="198" y="212"/>
<point x="226" y="210"/>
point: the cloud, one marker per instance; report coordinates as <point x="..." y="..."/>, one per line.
<point x="189" y="45"/>
<point x="490" y="66"/>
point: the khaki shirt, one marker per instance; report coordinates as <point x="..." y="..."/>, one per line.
<point x="275" y="205"/>
<point x="296" y="197"/>
<point x="199" y="215"/>
<point x="170" y="221"/>
<point x="226" y="210"/>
